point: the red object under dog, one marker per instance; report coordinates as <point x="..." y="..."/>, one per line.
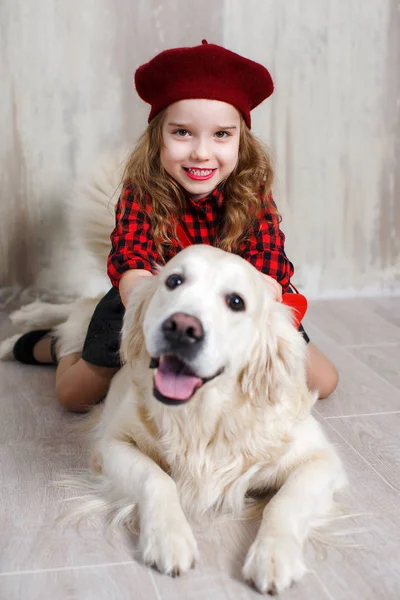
<point x="298" y="304"/>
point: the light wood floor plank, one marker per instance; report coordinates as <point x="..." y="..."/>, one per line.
<point x="371" y="570"/>
<point x="383" y="360"/>
<point x="30" y="506"/>
<point x="120" y="582"/>
<point x="28" y="407"/>
<point x="352" y="322"/>
<point x="376" y="439"/>
<point x="387" y="308"/>
<point x="360" y="389"/>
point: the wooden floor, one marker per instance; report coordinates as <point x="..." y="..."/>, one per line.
<point x="44" y="560"/>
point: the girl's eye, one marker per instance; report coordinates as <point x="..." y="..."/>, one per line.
<point x="181" y="132"/>
<point x="173" y="281"/>
<point x="222" y="134"/>
<point x="235" y="302"/>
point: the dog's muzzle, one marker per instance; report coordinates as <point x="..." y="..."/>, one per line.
<point x="182" y="337"/>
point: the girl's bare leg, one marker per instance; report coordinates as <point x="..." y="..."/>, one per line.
<point x="79" y="385"/>
<point x="321" y="373"/>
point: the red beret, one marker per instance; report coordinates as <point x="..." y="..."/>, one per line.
<point x="207" y="71"/>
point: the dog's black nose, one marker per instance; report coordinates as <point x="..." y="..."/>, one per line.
<point x="182" y="329"/>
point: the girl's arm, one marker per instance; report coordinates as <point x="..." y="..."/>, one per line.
<point x="128" y="280"/>
<point x="265" y="249"/>
<point x="133" y="252"/>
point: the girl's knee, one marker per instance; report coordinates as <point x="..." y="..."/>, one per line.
<point x="70" y="396"/>
<point x="328" y="382"/>
<point x="82" y="385"/>
<point x="322" y="375"/>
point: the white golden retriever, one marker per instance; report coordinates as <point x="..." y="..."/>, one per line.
<point x="211" y="407"/>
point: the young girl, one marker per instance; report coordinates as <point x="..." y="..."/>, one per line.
<point x="196" y="164"/>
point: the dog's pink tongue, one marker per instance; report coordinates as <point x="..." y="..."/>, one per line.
<point x="173" y="384"/>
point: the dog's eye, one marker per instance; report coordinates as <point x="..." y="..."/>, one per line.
<point x="235" y="302"/>
<point x="173" y="281"/>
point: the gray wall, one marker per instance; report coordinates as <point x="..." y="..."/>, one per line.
<point x="66" y="96"/>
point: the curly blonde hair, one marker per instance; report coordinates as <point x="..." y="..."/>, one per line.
<point x="244" y="189"/>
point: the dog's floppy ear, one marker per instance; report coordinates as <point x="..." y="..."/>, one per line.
<point x="275" y="371"/>
<point x="132" y="340"/>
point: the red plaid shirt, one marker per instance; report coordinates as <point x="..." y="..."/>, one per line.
<point x="133" y="246"/>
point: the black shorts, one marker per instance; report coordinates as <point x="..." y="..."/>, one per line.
<point x="101" y="347"/>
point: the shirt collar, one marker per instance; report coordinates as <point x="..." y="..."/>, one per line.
<point x="217" y="195"/>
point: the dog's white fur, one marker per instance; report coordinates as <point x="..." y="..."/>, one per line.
<point x="247" y="431"/>
<point x="90" y="210"/>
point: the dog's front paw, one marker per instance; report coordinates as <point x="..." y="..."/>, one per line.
<point x="274" y="563"/>
<point x="169" y="546"/>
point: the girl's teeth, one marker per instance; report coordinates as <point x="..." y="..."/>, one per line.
<point x="200" y="173"/>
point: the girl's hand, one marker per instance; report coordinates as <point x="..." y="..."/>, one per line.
<point x="128" y="280"/>
<point x="274" y="287"/>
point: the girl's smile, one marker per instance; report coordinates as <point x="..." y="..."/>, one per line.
<point x="200" y="144"/>
<point x="199" y="174"/>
